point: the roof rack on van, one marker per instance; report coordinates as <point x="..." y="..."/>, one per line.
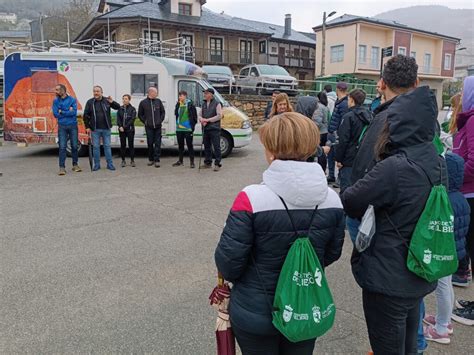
<point x="171" y="48"/>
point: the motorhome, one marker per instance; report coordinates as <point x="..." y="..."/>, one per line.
<point x="30" y="79"/>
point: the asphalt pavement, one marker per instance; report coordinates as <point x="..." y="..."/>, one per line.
<point x="122" y="262"/>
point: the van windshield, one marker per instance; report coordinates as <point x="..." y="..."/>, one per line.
<point x="217" y="96"/>
<point x="215" y="69"/>
<point x="272" y="70"/>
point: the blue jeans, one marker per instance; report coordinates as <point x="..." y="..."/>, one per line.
<point x="352" y="227"/>
<point x="96" y="135"/>
<point x="65" y="133"/>
<point x="344" y="178"/>
<point x="421" y="341"/>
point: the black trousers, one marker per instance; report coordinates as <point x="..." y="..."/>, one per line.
<point x="212" y="143"/>
<point x="392" y="323"/>
<point x="153" y="139"/>
<point x="253" y="344"/>
<point x="124" y="137"/>
<point x="188" y="137"/>
<point x="469" y="259"/>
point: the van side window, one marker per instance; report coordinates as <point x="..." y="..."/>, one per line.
<point x="244" y="72"/>
<point x="254" y="72"/>
<point x="194" y="90"/>
<point x="141" y="82"/>
<point x="44" y="81"/>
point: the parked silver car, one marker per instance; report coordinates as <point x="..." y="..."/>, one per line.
<point x="221" y="77"/>
<point x="263" y="79"/>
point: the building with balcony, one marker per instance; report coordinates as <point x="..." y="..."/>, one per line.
<point x="214" y="38"/>
<point x="354" y="45"/>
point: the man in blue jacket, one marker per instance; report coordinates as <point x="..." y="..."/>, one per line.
<point x="340" y="109"/>
<point x="65" y="111"/>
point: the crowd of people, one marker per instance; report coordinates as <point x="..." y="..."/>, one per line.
<point x="151" y="112"/>
<point x="384" y="157"/>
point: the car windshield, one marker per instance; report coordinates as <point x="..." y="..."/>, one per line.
<point x="211" y="69"/>
<point x="272" y="70"/>
<point x="217" y="96"/>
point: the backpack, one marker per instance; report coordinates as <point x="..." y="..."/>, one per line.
<point x="432" y="252"/>
<point x="303" y="306"/>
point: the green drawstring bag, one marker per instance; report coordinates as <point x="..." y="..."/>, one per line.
<point x="432" y="251"/>
<point x="303" y="306"/>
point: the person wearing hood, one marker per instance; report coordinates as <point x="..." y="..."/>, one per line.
<point x="463" y="145"/>
<point x="398" y="187"/>
<point x="306" y="105"/>
<point x="332" y="97"/>
<point x="258" y="233"/>
<point x="186" y="119"/>
<point x="353" y="126"/>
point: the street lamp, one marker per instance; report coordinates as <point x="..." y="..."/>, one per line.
<point x="323" y="50"/>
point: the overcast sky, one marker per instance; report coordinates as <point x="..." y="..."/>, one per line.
<point x="308" y="13"/>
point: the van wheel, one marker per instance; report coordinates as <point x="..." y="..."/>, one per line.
<point x="238" y="91"/>
<point x="259" y="90"/>
<point x="82" y="150"/>
<point x="227" y="144"/>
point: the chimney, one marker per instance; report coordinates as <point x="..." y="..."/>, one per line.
<point x="288" y="25"/>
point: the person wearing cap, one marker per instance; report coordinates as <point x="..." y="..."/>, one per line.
<point x="340" y="109"/>
<point x="211" y="114"/>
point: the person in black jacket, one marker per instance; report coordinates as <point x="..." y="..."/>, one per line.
<point x="340" y="109"/>
<point x="152" y="113"/>
<point x="126" y="116"/>
<point x="98" y="122"/>
<point x="399" y="76"/>
<point x="398" y="187"/>
<point x="211" y="115"/>
<point x="353" y="126"/>
<point x="258" y="232"/>
<point x="186" y="119"/>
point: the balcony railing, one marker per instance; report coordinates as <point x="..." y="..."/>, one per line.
<point x="213" y="56"/>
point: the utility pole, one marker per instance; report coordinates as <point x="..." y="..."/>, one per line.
<point x="68" y="35"/>
<point x="323" y="42"/>
<point x="41" y="30"/>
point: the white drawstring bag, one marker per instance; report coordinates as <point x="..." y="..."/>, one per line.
<point x="366" y="230"/>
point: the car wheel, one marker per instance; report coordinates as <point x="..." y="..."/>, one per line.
<point x="227" y="144"/>
<point x="238" y="91"/>
<point x="259" y="90"/>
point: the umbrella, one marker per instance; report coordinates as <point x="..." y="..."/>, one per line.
<point x="91" y="152"/>
<point x="220" y="298"/>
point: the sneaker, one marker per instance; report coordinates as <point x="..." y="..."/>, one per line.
<point x="464" y="316"/>
<point x="123" y="164"/>
<point x="206" y="166"/>
<point x="217" y="167"/>
<point x="132" y="164"/>
<point x="76" y="169"/>
<point x="431" y="334"/>
<point x="460" y="280"/>
<point x="62" y="172"/>
<point x="192" y="166"/>
<point x="111" y="167"/>
<point x="431" y="320"/>
<point x="150" y="163"/>
<point x="178" y="163"/>
<point x="464" y="304"/>
<point x="331" y="179"/>
<point x="157" y="164"/>
<point x="96" y="167"/>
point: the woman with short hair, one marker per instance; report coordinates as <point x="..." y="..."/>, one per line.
<point x="259" y="232"/>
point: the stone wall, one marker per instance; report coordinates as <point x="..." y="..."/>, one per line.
<point x="253" y="106"/>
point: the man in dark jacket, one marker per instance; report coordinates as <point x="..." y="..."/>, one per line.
<point x="211" y="115"/>
<point x="152" y="113"/>
<point x="186" y="119"/>
<point x="398" y="188"/>
<point x="268" y="109"/>
<point x="340" y="109"/>
<point x="126" y="116"/>
<point x="65" y="111"/>
<point x="98" y="122"/>
<point x="353" y="126"/>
